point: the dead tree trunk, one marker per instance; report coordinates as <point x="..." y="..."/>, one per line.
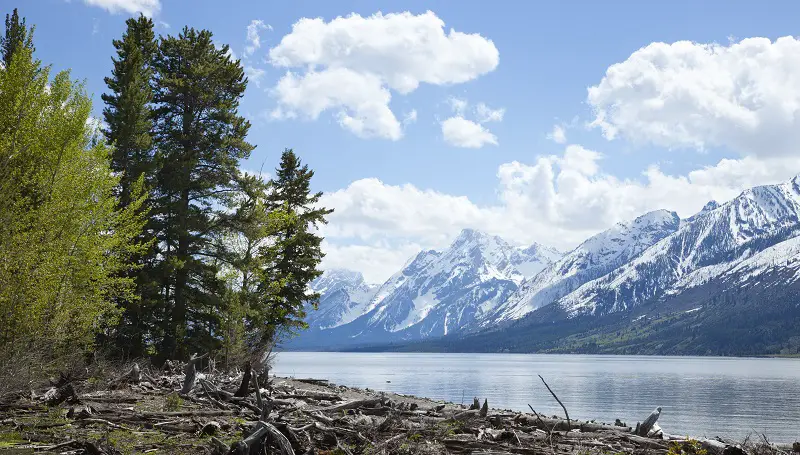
<point x="191" y="374"/>
<point x="244" y="387"/>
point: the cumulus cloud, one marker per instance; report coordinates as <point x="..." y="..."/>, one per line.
<point x="392" y="52"/>
<point x="361" y="101"/>
<point x="487" y="114"/>
<point x="558" y="135"/>
<point x="376" y="262"/>
<point x="744" y="96"/>
<point x="461" y="132"/>
<point x="254" y="36"/>
<point x="147" y="7"/>
<point x="558" y="200"/>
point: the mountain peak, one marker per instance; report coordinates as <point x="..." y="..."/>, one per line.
<point x="710" y="205"/>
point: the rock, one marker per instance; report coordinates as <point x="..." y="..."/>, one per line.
<point x="211" y="428"/>
<point x="733" y="450"/>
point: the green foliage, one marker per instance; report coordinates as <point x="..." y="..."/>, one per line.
<point x="150" y="224"/>
<point x="63" y="240"/>
<point x="688" y="447"/>
<point x="128" y="115"/>
<point x="297" y="248"/>
<point x="201" y="139"/>
<point x="173" y="402"/>
<point x="17" y="35"/>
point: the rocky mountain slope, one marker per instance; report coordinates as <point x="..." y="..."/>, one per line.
<point x="436" y="293"/>
<point x="592" y="259"/>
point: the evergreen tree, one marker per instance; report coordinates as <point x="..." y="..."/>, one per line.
<point x="298" y="246"/>
<point x="17" y="35"/>
<point x="201" y="139"/>
<point x="128" y="106"/>
<point x="128" y="115"/>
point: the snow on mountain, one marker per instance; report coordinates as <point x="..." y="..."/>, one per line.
<point x="592" y="259"/>
<point x="439" y="292"/>
<point x="344" y="296"/>
<point x="743" y="234"/>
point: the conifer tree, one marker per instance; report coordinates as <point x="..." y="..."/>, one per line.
<point x="200" y="140"/>
<point x="128" y="114"/>
<point x="16" y="36"/>
<point x="298" y="246"/>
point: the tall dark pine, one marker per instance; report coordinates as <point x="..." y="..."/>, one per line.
<point x="200" y="141"/>
<point x="299" y="252"/>
<point x="17" y="34"/>
<point x="128" y="111"/>
<point x="128" y="114"/>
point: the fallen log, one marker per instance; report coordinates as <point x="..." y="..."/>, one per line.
<point x="549" y="424"/>
<point x="322" y="382"/>
<point x="367" y="403"/>
<point x="253" y="442"/>
<point x="56" y="396"/>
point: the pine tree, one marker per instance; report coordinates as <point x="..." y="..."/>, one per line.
<point x="17" y="35"/>
<point x="298" y="246"/>
<point x="128" y="111"/>
<point x="201" y="139"/>
<point x="128" y="114"/>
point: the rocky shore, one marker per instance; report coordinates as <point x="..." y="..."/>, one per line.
<point x="181" y="411"/>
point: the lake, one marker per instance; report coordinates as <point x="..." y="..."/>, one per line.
<point x="700" y="396"/>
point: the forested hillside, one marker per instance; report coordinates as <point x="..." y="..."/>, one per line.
<point x="140" y="236"/>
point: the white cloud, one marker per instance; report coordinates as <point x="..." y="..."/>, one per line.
<point x="744" y="96"/>
<point x="557" y="200"/>
<point x="361" y="101"/>
<point x="375" y="262"/>
<point x="558" y="135"/>
<point x="391" y="52"/>
<point x="253" y="35"/>
<point x="147" y="7"/>
<point x="410" y="117"/>
<point x="254" y="75"/>
<point x="461" y="132"/>
<point x="487" y="114"/>
<point x="458" y="105"/>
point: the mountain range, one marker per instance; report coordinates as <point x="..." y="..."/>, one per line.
<point x="656" y="284"/>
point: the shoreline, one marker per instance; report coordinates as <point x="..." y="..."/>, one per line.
<point x="183" y="411"/>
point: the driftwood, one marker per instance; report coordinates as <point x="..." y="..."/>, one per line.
<point x="58" y="395"/>
<point x="245" y="384"/>
<point x="644" y="428"/>
<point x="295" y="417"/>
<point x="368" y="403"/>
<point x="569" y="425"/>
<point x="254" y="441"/>
<point x="191" y="374"/>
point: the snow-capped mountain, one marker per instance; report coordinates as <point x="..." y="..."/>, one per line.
<point x="442" y="292"/>
<point x="344" y="296"/>
<point x="592" y="259"/>
<point x="736" y="236"/>
<point x="436" y="293"/>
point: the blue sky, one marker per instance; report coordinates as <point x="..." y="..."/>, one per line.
<point x="706" y="113"/>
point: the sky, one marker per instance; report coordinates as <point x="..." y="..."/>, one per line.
<point x="539" y="122"/>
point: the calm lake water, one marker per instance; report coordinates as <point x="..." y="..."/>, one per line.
<point x="700" y="396"/>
